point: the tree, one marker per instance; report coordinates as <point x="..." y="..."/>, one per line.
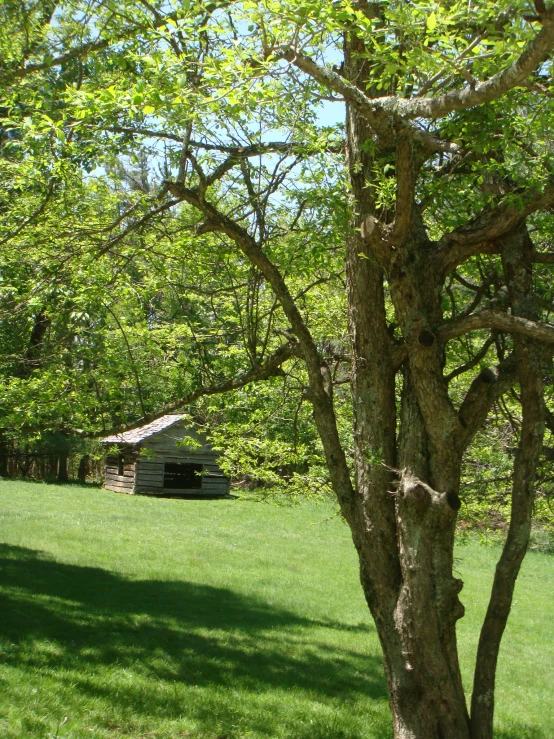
<point x="446" y="216"/>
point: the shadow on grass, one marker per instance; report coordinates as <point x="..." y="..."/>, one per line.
<point x="64" y="619"/>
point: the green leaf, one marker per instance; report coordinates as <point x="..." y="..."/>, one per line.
<point x="432" y="22"/>
<point x="148" y="109"/>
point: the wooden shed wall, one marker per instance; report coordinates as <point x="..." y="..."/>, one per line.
<point x="121" y="483"/>
<point x="150" y="472"/>
<point x="150" y="475"/>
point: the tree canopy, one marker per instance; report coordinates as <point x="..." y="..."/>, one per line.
<point x="184" y="215"/>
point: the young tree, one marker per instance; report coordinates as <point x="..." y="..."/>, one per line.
<point x="446" y="212"/>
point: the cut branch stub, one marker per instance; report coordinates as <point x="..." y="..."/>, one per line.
<point x="418" y="492"/>
<point x="205" y="227"/>
<point x="413" y="490"/>
<point x="367" y="227"/>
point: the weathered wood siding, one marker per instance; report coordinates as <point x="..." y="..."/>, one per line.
<point x="145" y="473"/>
<point x="124" y="483"/>
<point x="165" y="445"/>
<point x="150" y="475"/>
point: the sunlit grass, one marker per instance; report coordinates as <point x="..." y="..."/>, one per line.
<point x="131" y="616"/>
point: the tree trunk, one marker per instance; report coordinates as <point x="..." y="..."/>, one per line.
<point x="83" y="468"/>
<point x="3" y="456"/>
<point x="517" y="261"/>
<point x="418" y="633"/>
<point x="31" y="359"/>
<point x="52" y="469"/>
<point x="62" y="468"/>
<point x="404" y="538"/>
<point x="26" y="464"/>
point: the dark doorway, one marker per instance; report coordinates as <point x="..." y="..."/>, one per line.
<point x="186" y="476"/>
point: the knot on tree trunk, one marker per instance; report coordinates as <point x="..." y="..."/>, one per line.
<point x="412" y="489"/>
<point x="206" y="227"/>
<point x="449" y="607"/>
<point x="422" y="495"/>
<point x="488" y="375"/>
<point x="426" y="338"/>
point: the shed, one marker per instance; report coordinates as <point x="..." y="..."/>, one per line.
<point x="153" y="460"/>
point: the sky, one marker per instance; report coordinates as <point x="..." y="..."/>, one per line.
<point x="331" y="113"/>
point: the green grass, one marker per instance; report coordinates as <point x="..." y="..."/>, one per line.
<point x="126" y="616"/>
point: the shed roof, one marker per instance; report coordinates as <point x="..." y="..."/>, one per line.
<point x="135" y="436"/>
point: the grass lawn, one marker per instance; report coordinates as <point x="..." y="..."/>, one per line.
<point x="125" y="616"/>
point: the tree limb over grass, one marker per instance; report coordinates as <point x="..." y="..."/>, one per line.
<point x="270" y="368"/>
<point x="320" y="391"/>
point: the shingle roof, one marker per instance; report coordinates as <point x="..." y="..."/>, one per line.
<point x="135" y="436"/>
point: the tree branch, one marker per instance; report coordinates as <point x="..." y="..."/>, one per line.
<point x="480" y="234"/>
<point x="473" y="362"/>
<point x="320" y="391"/>
<point x="498" y="320"/>
<point x="80" y="51"/>
<point x="489" y="385"/>
<point x="516" y="255"/>
<point x="501" y="21"/>
<point x="270" y="368"/>
<point x="380" y="120"/>
<point x="542" y="257"/>
<point x="33" y="217"/>
<point x="381" y="112"/>
<point x="491" y="224"/>
<point x="136" y="224"/>
<point x="535" y="52"/>
<point x="244" y="152"/>
<point x="77" y="53"/>
<point x="129" y="352"/>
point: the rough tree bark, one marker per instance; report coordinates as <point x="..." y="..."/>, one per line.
<point x="517" y="250"/>
<point x="407" y="574"/>
<point x="406" y="569"/>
